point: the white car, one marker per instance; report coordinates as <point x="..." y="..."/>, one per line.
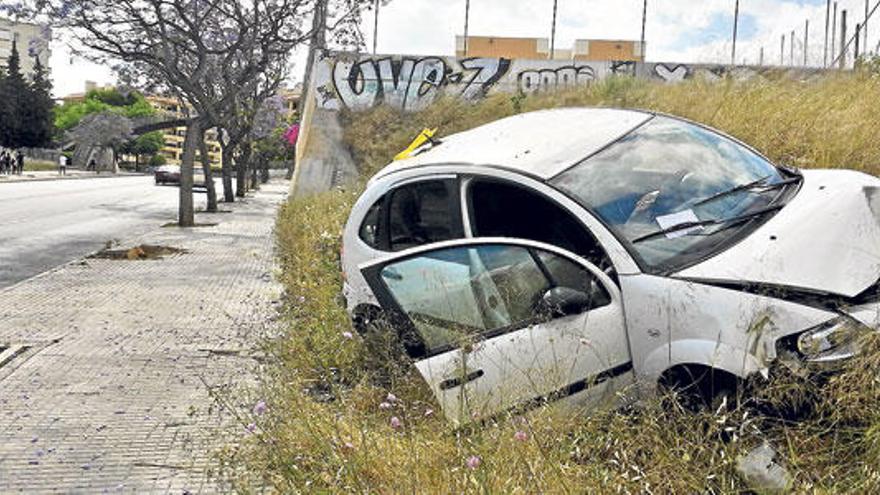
<point x="566" y="255"/>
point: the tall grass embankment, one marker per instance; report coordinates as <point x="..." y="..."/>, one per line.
<point x="324" y="420"/>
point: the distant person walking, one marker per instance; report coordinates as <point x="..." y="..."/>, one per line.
<point x="6" y="163"/>
<point x="93" y="165"/>
<point x="62" y="165"/>
<point x="19" y="161"/>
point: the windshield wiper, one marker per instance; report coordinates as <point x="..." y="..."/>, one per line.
<point x="762" y="182"/>
<point x="704" y="223"/>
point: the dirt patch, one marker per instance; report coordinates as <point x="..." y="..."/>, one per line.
<point x="142" y="252"/>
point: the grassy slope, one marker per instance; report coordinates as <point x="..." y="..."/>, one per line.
<point x="348" y="444"/>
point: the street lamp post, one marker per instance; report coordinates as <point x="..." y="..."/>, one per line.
<point x="467" y="12"/>
<point x="376" y="27"/>
<point x="644" y="18"/>
<point x="553" y="32"/>
<point x="735" y="25"/>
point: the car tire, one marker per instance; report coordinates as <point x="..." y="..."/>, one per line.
<point x="700" y="388"/>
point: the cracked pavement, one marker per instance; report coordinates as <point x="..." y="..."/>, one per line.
<point x="105" y="364"/>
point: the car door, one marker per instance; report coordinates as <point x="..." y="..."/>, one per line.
<point x="497" y="325"/>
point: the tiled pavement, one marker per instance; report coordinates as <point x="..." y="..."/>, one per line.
<point x="104" y="386"/>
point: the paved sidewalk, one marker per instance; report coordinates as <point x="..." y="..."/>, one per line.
<point x="103" y="386"/>
<point x="72" y="174"/>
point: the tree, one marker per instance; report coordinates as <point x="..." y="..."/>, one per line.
<point x="37" y="118"/>
<point x="15" y="96"/>
<point x="145" y="144"/>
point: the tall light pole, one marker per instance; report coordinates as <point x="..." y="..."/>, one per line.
<point x="806" y="39"/>
<point x="827" y="21"/>
<point x="735" y="25"/>
<point x="376" y="27"/>
<point x="833" y="52"/>
<point x="467" y="13"/>
<point x="553" y="32"/>
<point x="644" y="18"/>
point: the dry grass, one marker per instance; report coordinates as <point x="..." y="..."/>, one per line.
<point x="324" y="431"/>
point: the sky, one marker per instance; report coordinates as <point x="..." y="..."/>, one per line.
<point x="676" y="30"/>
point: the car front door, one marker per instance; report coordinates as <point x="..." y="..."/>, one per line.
<point x="497" y="325"/>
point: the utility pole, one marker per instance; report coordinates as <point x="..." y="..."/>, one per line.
<point x="761" y="58"/>
<point x="644" y="18"/>
<point x="553" y="32"/>
<point x="865" y="25"/>
<point x="782" y="52"/>
<point x="316" y="43"/>
<point x="833" y="52"/>
<point x="467" y="13"/>
<point x="376" y="27"/>
<point x="791" y="54"/>
<point x="827" y="21"/>
<point x="735" y="25"/>
<point x="842" y="39"/>
<point x="858" y="39"/>
<point x="806" y="38"/>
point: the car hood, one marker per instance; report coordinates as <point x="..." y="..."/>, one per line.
<point x="827" y="238"/>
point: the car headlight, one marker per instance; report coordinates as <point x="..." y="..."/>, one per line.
<point x="832" y="341"/>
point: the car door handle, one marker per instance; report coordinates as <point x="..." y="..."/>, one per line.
<point x="459" y="381"/>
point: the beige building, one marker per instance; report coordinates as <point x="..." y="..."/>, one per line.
<point x="539" y="48"/>
<point x="31" y="40"/>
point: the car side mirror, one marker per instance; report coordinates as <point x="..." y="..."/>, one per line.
<point x="565" y="301"/>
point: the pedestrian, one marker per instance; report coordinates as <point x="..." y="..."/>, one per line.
<point x="93" y="165"/>
<point x="19" y="160"/>
<point x="6" y="163"/>
<point x="62" y="165"/>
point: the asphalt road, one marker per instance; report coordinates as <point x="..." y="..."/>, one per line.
<point x="49" y="223"/>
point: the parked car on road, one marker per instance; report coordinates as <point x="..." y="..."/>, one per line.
<point x="167" y="174"/>
<point x="170" y="174"/>
<point x="567" y="255"/>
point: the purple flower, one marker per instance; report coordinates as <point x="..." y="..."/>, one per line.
<point x="391" y="398"/>
<point x="347" y="335"/>
<point x="428" y="412"/>
<point x="385" y="405"/>
<point x="260" y="408"/>
<point x="348" y="445"/>
<point x="520" y="436"/>
<point x="251" y="427"/>
<point x="473" y="462"/>
<point x="395" y="422"/>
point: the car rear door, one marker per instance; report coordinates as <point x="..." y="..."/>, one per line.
<point x="489" y="332"/>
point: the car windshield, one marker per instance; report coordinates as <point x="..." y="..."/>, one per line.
<point x="667" y="173"/>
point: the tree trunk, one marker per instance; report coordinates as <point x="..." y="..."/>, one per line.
<point x="186" y="215"/>
<point x="209" y="176"/>
<point x="255" y="164"/>
<point x="291" y="164"/>
<point x="137" y="162"/>
<point x="228" y="192"/>
<point x="264" y="170"/>
<point x="241" y="170"/>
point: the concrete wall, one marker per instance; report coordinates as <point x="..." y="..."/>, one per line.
<point x="357" y="82"/>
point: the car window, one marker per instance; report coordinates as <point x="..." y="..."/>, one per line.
<point x="412" y="215"/>
<point x="454" y="294"/>
<point x="421" y="213"/>
<point x="500" y="209"/>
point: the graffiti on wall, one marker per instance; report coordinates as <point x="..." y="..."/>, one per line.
<point x="412" y="83"/>
<point x="358" y="82"/>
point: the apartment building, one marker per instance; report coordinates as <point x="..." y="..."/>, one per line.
<point x="539" y="49"/>
<point x="32" y="41"/>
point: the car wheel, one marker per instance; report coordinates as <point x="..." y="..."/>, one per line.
<point x="701" y="388"/>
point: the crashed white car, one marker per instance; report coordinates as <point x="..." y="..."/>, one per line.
<point x="566" y="255"/>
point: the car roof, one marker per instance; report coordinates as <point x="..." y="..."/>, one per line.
<point x="543" y="143"/>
